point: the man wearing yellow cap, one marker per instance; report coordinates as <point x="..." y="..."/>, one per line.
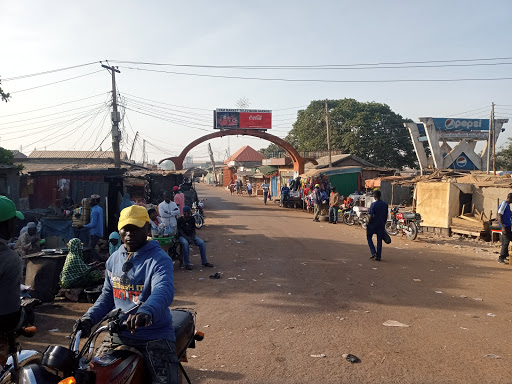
<point x="139" y="272"/>
<point x="10" y="273"/>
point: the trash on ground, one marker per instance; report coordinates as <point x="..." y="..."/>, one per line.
<point x="320" y="355"/>
<point x="465" y="329"/>
<point x="478" y="299"/>
<point x="193" y="356"/>
<point x="216" y="275"/>
<point x="416" y="279"/>
<point x="439" y="291"/>
<point x="394" y="323"/>
<point x="206" y="326"/>
<point x="491" y="314"/>
<point x="463" y="296"/>
<point x="54" y="330"/>
<point x="352" y="358"/>
<point x="492" y="356"/>
<point x="201" y="278"/>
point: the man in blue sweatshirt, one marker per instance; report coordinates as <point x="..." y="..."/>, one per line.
<point x="139" y="272"/>
<point x="95" y="227"/>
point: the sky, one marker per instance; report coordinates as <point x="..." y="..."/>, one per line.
<point x="169" y="110"/>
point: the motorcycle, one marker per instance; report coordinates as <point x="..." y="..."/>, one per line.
<point x="198" y="213"/>
<point x="407" y="223"/>
<point x="59" y="364"/>
<point x="357" y="215"/>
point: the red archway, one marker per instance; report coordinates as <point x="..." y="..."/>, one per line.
<point x="298" y="161"/>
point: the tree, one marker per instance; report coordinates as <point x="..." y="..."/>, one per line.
<point x="5" y="96"/>
<point x="271" y="151"/>
<point x="504" y="157"/>
<point x="371" y="131"/>
<point x="6" y="156"/>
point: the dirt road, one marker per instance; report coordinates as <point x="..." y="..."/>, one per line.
<point x="292" y="290"/>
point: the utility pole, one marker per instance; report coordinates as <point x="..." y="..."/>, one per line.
<point x="489" y="144"/>
<point x="144" y="152"/>
<point x="133" y="144"/>
<point x="328" y="133"/>
<point x="213" y="162"/>
<point x="493" y="140"/>
<point x="116" y="134"/>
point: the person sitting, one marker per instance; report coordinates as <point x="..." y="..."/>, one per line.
<point x="11" y="271"/>
<point x="154" y="219"/>
<point x="29" y="241"/>
<point x="139" y="272"/>
<point x="187" y="233"/>
<point x="114" y="242"/>
<point x="76" y="274"/>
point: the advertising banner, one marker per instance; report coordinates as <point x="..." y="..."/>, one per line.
<point x="242" y="118"/>
<point x="460" y="125"/>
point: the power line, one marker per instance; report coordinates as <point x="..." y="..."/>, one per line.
<point x="320" y="80"/>
<point x="49" y="71"/>
<point x="403" y="64"/>
<point x="56" y="82"/>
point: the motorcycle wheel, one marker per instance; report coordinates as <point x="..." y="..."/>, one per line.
<point x="411" y="231"/>
<point x="348" y="219"/>
<point x="391" y="228"/>
<point x="199" y="221"/>
<point x="364" y="221"/>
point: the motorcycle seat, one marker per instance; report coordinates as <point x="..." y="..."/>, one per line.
<point x="409" y="215"/>
<point x="184" y="328"/>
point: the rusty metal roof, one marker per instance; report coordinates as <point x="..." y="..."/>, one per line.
<point x="75" y="155"/>
<point x="38" y="167"/>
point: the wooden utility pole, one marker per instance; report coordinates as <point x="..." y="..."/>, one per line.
<point x="493" y="128"/>
<point x="328" y="133"/>
<point x="210" y="152"/>
<point x="489" y="145"/>
<point x="116" y="134"/>
<point x="144" y="152"/>
<point x="133" y="144"/>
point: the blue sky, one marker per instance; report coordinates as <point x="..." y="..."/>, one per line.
<point x="39" y="36"/>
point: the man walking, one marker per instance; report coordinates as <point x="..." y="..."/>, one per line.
<point x="249" y="188"/>
<point x="95" y="226"/>
<point x="504" y="218"/>
<point x="377" y="217"/>
<point x="317" y="200"/>
<point x="334" y="202"/>
<point x="265" y="186"/>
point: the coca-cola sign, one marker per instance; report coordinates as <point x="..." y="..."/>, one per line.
<point x="242" y="118"/>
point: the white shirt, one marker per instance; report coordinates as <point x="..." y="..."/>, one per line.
<point x="168" y="212"/>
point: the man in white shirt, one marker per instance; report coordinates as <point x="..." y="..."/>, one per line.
<point x="265" y="188"/>
<point x="168" y="211"/>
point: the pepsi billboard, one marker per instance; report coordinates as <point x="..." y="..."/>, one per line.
<point x="460" y="125"/>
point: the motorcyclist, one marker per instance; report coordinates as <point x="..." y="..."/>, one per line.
<point x="139" y="272"/>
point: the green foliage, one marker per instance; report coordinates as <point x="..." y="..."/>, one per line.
<point x="371" y="131"/>
<point x="504" y="158"/>
<point x="6" y="156"/>
<point x="271" y="151"/>
<point x="5" y="96"/>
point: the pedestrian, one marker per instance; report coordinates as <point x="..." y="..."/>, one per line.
<point x="249" y="188"/>
<point x="95" y="227"/>
<point x="265" y="187"/>
<point x="504" y="219"/>
<point x="285" y="195"/>
<point x="231" y="188"/>
<point x="187" y="233"/>
<point x="334" y="202"/>
<point x="139" y="272"/>
<point x="168" y="211"/>
<point x="29" y="241"/>
<point x="114" y="242"/>
<point x="11" y="271"/>
<point x="317" y="201"/>
<point x="179" y="198"/>
<point x="377" y="217"/>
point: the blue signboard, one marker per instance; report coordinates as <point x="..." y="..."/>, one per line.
<point x="458" y="125"/>
<point x="463" y="162"/>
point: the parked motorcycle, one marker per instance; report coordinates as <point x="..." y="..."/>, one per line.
<point x="357" y="215"/>
<point x="124" y="365"/>
<point x="407" y="223"/>
<point x="198" y="213"/>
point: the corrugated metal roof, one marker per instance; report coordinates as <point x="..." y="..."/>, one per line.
<point x="37" y="167"/>
<point x="17" y="154"/>
<point x="245" y="153"/>
<point x="75" y="155"/>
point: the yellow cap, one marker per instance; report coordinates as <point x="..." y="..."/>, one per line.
<point x="134" y="215"/>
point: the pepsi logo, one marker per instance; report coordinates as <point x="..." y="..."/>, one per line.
<point x="449" y="124"/>
<point x="461" y="161"/>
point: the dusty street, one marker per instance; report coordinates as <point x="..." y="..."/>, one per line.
<point x="293" y="290"/>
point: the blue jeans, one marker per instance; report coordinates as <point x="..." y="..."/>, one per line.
<point x="333" y="214"/>
<point x="186" y="251"/>
<point x="369" y="236"/>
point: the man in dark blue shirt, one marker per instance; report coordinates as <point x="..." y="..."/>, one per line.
<point x="377" y="217"/>
<point x="504" y="218"/>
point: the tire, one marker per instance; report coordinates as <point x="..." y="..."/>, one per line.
<point x="199" y="221"/>
<point x="348" y="219"/>
<point x="411" y="231"/>
<point x="391" y="228"/>
<point x="364" y="221"/>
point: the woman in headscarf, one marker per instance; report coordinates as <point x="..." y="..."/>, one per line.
<point x="76" y="273"/>
<point x="114" y="242"/>
<point x="125" y="202"/>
